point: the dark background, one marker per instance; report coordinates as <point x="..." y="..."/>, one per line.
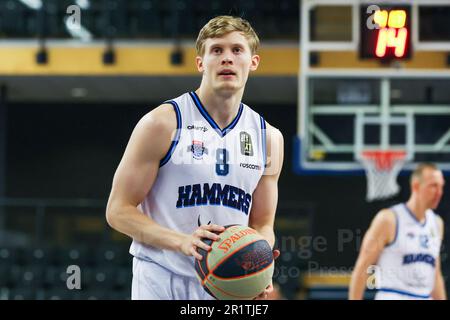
<point x="72" y="151"/>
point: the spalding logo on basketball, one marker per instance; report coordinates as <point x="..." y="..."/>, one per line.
<point x="239" y="266"/>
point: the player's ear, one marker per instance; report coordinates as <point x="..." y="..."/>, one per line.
<point x="415" y="183"/>
<point x="199" y="63"/>
<point x="255" y="62"/>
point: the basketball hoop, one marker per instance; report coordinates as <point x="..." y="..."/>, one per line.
<point x="382" y="168"/>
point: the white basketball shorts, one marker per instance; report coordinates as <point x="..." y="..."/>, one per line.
<point x="154" y="282"/>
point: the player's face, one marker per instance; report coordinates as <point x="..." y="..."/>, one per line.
<point x="227" y="62"/>
<point x="431" y="187"/>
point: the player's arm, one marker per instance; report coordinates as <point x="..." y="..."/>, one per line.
<point x="265" y="196"/>
<point x="439" y="292"/>
<point x="134" y="178"/>
<point x="380" y="233"/>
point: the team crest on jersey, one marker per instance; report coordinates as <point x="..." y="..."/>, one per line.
<point x="198" y="149"/>
<point x="246" y="144"/>
<point x="424" y="241"/>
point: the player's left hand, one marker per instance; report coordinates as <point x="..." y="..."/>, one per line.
<point x="269" y="289"/>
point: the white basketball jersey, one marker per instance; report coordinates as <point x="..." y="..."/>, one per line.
<point x="208" y="176"/>
<point x="407" y="266"/>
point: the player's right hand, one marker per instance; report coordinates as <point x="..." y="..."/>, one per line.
<point x="194" y="241"/>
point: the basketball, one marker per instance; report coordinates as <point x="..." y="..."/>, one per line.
<point x="239" y="265"/>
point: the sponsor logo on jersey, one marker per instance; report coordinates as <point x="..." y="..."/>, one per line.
<point x="410" y="235"/>
<point x="246" y="144"/>
<point x="250" y="166"/>
<point x="421" y="257"/>
<point x="194" y="127"/>
<point x="197" y="148"/>
<point x="214" y="194"/>
<point x="199" y="222"/>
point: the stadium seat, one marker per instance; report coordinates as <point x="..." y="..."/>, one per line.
<point x="55" y="277"/>
<point x="103" y="277"/>
<point x="123" y="279"/>
<point x="14" y="276"/>
<point x="87" y="277"/>
<point x="30" y="276"/>
<point x="35" y="256"/>
<point x="287" y="27"/>
<point x="22" y="294"/>
<point x="117" y="254"/>
<point x="73" y="256"/>
<point x="94" y="295"/>
<point x="4" y="293"/>
<point x="12" y="18"/>
<point x="119" y="294"/>
<point x="3" y="275"/>
<point x="145" y="20"/>
<point x="62" y="294"/>
<point x="108" y="256"/>
<point x="54" y="26"/>
<point x="8" y="256"/>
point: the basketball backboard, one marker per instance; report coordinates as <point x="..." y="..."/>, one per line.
<point x="346" y="116"/>
<point x="351" y="102"/>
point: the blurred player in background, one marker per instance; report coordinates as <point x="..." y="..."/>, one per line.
<point x="404" y="241"/>
<point x="195" y="164"/>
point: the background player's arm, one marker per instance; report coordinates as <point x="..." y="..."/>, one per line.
<point x="265" y="196"/>
<point x="135" y="175"/>
<point x="380" y="233"/>
<point x="439" y="292"/>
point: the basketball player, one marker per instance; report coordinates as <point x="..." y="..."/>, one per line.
<point x="195" y="164"/>
<point x="404" y="241"/>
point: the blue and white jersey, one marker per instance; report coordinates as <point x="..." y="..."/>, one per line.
<point x="407" y="266"/>
<point x="208" y="175"/>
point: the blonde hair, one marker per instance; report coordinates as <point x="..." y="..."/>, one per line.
<point x="418" y="171"/>
<point x="222" y="25"/>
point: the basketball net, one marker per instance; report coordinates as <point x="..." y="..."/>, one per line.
<point x="382" y="168"/>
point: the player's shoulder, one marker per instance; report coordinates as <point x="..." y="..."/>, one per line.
<point x="166" y="116"/>
<point x="439" y="219"/>
<point x="273" y="130"/>
<point x="161" y="119"/>
<point x="440" y="223"/>
<point x="384" y="225"/>
<point x="154" y="132"/>
<point x="275" y="150"/>
<point x="274" y="136"/>
<point x="385" y="217"/>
